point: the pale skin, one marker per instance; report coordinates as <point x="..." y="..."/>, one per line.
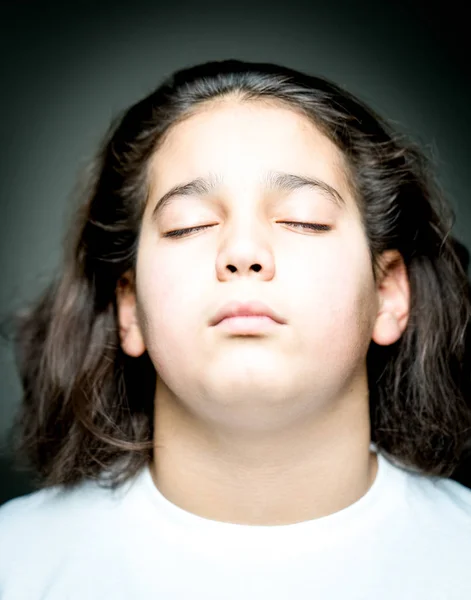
<point x="271" y="429"/>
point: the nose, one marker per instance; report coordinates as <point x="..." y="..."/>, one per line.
<point x="245" y="253"/>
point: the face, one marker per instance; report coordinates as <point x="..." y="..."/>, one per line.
<point x="261" y="244"/>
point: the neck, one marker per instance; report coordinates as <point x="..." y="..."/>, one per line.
<point x="318" y="466"/>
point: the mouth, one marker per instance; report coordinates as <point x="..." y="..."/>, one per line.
<point x="254" y="312"/>
<point x="247" y="324"/>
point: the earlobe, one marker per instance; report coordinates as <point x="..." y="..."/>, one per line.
<point x="387" y="329"/>
<point x="132" y="342"/>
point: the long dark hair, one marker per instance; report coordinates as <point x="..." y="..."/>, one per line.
<point x="87" y="408"/>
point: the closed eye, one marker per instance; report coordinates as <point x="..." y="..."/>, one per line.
<point x="189" y="230"/>
<point x="314" y="226"/>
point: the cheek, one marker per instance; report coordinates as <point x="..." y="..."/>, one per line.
<point x="331" y="298"/>
<point x="169" y="295"/>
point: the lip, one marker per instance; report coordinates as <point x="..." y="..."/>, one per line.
<point x="248" y="325"/>
<point x="246" y="309"/>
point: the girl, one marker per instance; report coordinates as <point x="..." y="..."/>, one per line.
<point x="251" y="377"/>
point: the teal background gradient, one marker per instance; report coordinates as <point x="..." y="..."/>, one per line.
<point x="67" y="69"/>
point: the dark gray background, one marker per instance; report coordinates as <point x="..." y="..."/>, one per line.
<point x="67" y="69"/>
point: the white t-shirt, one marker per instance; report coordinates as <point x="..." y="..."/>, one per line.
<point x="407" y="538"/>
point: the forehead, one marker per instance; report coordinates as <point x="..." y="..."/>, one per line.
<point x="239" y="141"/>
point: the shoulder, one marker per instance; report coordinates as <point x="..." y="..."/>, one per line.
<point x="54" y="518"/>
<point x="50" y="533"/>
<point x="19" y="514"/>
<point x="440" y="501"/>
<point x="450" y="497"/>
<point x="59" y="504"/>
<point x="50" y="537"/>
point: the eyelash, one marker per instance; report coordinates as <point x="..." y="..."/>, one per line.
<point x="187" y="231"/>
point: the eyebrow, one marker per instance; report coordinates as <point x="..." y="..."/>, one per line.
<point x="272" y="180"/>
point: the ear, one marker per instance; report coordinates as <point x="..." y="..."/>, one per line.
<point x="393" y="291"/>
<point x="132" y="341"/>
